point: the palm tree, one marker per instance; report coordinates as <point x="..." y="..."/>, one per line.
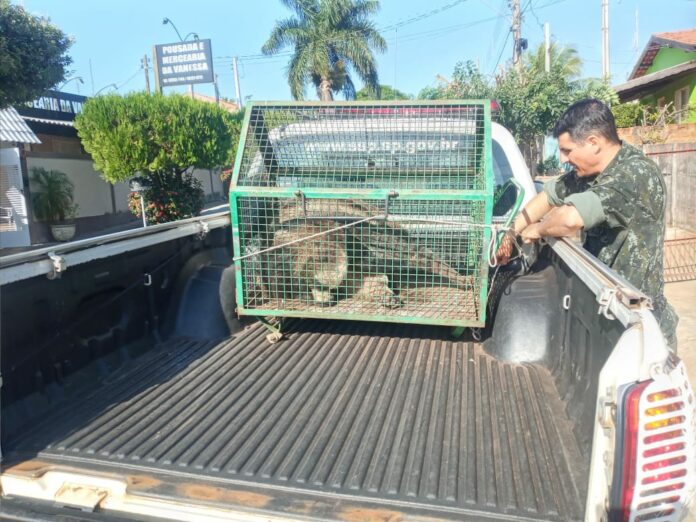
<point x="565" y="61"/>
<point x="329" y="38"/>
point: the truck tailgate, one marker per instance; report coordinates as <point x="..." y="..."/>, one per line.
<point x="398" y="417"/>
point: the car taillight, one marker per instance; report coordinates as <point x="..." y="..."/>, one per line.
<point x="658" y="450"/>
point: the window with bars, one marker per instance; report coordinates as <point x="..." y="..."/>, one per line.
<point x="681" y="103"/>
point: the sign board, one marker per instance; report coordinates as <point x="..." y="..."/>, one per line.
<point x="183" y="63"/>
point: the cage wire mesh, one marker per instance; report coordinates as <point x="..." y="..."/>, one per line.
<point x="364" y="211"/>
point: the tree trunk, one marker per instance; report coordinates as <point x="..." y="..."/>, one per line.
<point x="325" y="93"/>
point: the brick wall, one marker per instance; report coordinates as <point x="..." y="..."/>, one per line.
<point x="674" y="133"/>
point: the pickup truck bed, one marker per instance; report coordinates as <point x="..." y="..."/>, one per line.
<point x="363" y="418"/>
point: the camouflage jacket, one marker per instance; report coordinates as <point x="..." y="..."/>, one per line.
<point x="623" y="209"/>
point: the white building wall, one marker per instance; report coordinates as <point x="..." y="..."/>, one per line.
<point x="206" y="177"/>
<point x="92" y="193"/>
<point x="121" y="191"/>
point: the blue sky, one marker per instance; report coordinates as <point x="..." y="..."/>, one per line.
<point x="425" y="38"/>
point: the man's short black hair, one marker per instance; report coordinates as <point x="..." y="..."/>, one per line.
<point x="587" y="117"/>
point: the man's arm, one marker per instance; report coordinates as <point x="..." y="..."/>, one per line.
<point x="533" y="211"/>
<point x="538" y="219"/>
<point x="561" y="221"/>
<point x="537" y="208"/>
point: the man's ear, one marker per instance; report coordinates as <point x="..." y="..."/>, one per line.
<point x="595" y="142"/>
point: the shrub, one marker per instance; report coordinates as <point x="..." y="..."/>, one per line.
<point x="53" y="195"/>
<point x="628" y="114"/>
<point x="178" y="198"/>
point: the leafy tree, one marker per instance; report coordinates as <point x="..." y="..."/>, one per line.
<point x="430" y="93"/>
<point x="159" y="138"/>
<point x="628" y="114"/>
<point x="595" y="88"/>
<point x="32" y="55"/>
<point x="467" y="83"/>
<point x="329" y="37"/>
<point x="386" y="92"/>
<point x="564" y="61"/>
<point x="530" y="99"/>
<point x="530" y="104"/>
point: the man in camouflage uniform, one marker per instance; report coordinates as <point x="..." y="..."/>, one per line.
<point x="615" y="195"/>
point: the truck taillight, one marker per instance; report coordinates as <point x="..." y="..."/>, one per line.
<point x="657" y="459"/>
<point x="632" y="412"/>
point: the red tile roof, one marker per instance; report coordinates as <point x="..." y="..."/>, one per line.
<point x="228" y="106"/>
<point x="688" y="36"/>
<point x="685" y="39"/>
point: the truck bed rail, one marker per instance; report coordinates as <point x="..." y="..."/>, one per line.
<point x="52" y="260"/>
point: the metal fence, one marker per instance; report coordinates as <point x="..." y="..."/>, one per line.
<point x="680" y="259"/>
<point x="677" y="161"/>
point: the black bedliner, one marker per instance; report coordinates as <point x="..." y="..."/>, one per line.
<point x="384" y="413"/>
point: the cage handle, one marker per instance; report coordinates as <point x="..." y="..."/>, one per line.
<point x="303" y="200"/>
<point x="392" y="195"/>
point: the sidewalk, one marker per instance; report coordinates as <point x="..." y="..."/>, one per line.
<point x="682" y="296"/>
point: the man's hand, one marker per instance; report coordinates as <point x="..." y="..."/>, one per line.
<point x="531" y="233"/>
<point x="504" y="252"/>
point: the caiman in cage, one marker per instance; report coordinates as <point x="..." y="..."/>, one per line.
<point x="364" y="211"/>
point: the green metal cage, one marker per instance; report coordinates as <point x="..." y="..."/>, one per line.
<point x="372" y="211"/>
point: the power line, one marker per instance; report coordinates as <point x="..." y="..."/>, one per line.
<point x="434" y="33"/>
<point x="406" y="38"/>
<point x="549" y="4"/>
<point x="496" y="31"/>
<point x="429" y="34"/>
<point x="422" y="16"/>
<point x="119" y="85"/>
<point x="531" y="9"/>
<point x="507" y="37"/>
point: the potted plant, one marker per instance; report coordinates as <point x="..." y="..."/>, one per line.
<point x="53" y="200"/>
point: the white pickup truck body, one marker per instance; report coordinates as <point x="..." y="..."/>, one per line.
<point x="131" y="391"/>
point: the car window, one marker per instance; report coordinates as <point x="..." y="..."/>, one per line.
<point x="505" y="193"/>
<point x="502" y="172"/>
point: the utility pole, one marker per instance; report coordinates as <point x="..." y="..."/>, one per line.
<point x="146" y="68"/>
<point x="237" y="88"/>
<point x="158" y="84"/>
<point x="91" y="75"/>
<point x="516" y="33"/>
<point x="547" y="48"/>
<point x="606" y="73"/>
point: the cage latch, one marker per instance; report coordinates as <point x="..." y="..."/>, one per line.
<point x="58" y="265"/>
<point x="203" y="230"/>
<point x="302" y="200"/>
<point x="605" y="300"/>
<point x="392" y="195"/>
